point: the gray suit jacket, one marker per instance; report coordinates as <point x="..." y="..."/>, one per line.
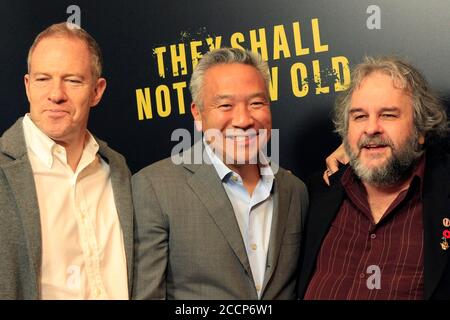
<point x="187" y="240"/>
<point x="20" y="230"/>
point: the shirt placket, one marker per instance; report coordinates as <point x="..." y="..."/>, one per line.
<point x="256" y="234"/>
<point x="89" y="244"/>
<point x="250" y="236"/>
<point x="253" y="246"/>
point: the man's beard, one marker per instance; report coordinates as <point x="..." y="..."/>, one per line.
<point x="396" y="168"/>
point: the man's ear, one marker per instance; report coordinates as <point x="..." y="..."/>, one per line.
<point x="421" y="139"/>
<point x="197" y="115"/>
<point x="99" y="89"/>
<point x="26" y="81"/>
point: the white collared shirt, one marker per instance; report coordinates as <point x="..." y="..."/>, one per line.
<point x="253" y="213"/>
<point x="83" y="255"/>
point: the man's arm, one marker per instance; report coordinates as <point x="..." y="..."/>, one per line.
<point x="151" y="241"/>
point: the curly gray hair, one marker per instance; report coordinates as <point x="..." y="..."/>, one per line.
<point x="430" y="118"/>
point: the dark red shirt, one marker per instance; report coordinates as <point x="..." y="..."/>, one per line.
<point x="355" y="247"/>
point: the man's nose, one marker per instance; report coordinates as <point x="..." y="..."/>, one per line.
<point x="242" y="117"/>
<point x="373" y="126"/>
<point x="57" y="92"/>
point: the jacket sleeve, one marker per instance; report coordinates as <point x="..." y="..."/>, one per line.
<point x="151" y="241"/>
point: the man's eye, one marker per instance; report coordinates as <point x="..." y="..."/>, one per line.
<point x="389" y="115"/>
<point x="74" y="81"/>
<point x="257" y="104"/>
<point x="41" y="79"/>
<point x="225" y="106"/>
<point x="359" y="117"/>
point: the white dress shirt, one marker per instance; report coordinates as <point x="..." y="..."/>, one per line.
<point x="83" y="255"/>
<point x="253" y="213"/>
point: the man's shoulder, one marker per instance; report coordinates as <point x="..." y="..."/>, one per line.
<point x="320" y="193"/>
<point x="165" y="168"/>
<point x="12" y="142"/>
<point x="3" y="156"/>
<point x="437" y="156"/>
<point x="437" y="169"/>
<point x="290" y="180"/>
<point x="109" y="153"/>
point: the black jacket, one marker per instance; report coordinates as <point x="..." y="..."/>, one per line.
<point x="325" y="203"/>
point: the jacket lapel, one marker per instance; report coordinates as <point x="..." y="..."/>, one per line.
<point x="436" y="207"/>
<point x="281" y="201"/>
<point x="324" y="205"/>
<point x="207" y="186"/>
<point x="120" y="181"/>
<point x="20" y="178"/>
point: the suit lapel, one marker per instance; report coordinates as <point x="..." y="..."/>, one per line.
<point x="281" y="201"/>
<point x="120" y="181"/>
<point x="20" y="178"/>
<point x="207" y="186"/>
<point x="436" y="207"/>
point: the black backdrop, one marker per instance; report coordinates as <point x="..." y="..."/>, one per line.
<point x="130" y="32"/>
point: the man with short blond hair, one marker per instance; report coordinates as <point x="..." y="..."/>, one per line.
<point x="65" y="196"/>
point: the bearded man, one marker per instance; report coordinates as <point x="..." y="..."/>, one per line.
<point x="381" y="230"/>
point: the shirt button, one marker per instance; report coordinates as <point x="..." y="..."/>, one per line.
<point x="258" y="287"/>
<point x="234" y="178"/>
<point x="362" y="275"/>
<point x="373" y="236"/>
<point x="254" y="246"/>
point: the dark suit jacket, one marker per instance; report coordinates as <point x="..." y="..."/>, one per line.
<point x="188" y="243"/>
<point x="325" y="203"/>
<point x="20" y="227"/>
